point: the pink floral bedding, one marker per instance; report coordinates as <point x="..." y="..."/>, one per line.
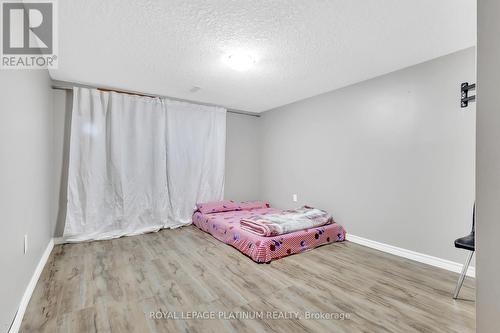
<point x="225" y="226"/>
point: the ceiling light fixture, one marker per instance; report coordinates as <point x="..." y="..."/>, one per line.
<point x="240" y="61"/>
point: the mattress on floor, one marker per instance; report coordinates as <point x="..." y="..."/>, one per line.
<point x="225" y="226"/>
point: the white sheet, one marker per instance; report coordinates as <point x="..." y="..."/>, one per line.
<point x="140" y="164"/>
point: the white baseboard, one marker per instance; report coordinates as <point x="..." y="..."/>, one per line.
<point x="59" y="240"/>
<point x="16" y="324"/>
<point x="416" y="256"/>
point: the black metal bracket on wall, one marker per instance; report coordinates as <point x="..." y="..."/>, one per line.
<point x="465" y="99"/>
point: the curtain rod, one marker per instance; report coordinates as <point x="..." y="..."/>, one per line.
<point x="63" y="85"/>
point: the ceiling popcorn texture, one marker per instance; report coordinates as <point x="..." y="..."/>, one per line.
<point x="301" y="48"/>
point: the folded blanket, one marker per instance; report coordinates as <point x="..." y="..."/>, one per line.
<point x="286" y="221"/>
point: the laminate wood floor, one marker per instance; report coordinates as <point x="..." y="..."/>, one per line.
<point x="115" y="285"/>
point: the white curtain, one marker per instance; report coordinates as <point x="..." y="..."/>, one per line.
<point x="126" y="154"/>
<point x="196" y="143"/>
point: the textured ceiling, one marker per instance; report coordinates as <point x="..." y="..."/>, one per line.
<point x="302" y="47"/>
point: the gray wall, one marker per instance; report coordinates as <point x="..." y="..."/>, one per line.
<point x="63" y="104"/>
<point x="26" y="201"/>
<point x="488" y="168"/>
<point x="392" y="158"/>
<point x="242" y="156"/>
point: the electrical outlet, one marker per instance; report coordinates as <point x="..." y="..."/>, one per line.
<point x="294" y="198"/>
<point x="25" y="244"/>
